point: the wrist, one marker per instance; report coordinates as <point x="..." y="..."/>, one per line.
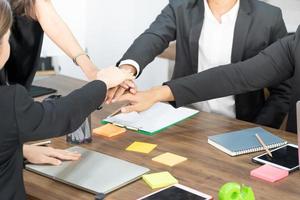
<point x="130" y="68"/>
<point x="162" y="94"/>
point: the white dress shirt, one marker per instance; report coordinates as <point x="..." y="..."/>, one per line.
<point x="215" y="46"/>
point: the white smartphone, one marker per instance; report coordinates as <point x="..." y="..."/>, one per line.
<point x="177" y="192"/>
<point x="285" y="157"/>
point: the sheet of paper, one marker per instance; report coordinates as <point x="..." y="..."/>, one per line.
<point x="169" y="159"/>
<point x="159" y="180"/>
<point x="109" y="130"/>
<point x="141" y="147"/>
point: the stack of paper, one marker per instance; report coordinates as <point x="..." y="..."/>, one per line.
<point x="159" y="180"/>
<point x="141" y="147"/>
<point x="169" y="159"/>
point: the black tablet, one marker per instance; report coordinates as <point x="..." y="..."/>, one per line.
<point x="177" y="192"/>
<point x="285" y="157"/>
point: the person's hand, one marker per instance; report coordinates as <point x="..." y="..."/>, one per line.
<point x="114" y="76"/>
<point x="47" y="155"/>
<point x="116" y="92"/>
<point x="139" y="102"/>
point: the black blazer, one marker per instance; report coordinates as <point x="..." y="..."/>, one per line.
<point x="258" y="25"/>
<point x="276" y="63"/>
<point x="24" y="120"/>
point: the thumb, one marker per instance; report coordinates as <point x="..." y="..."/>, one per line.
<point x="52" y="161"/>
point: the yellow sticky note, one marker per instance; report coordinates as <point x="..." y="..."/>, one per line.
<point x="169" y="159"/>
<point x="141" y="147"/>
<point x="109" y="130"/>
<point x="159" y="180"/>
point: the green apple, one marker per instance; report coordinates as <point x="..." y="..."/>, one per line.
<point x="234" y="191"/>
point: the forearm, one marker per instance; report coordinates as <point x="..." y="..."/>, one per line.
<point x="62" y="36"/>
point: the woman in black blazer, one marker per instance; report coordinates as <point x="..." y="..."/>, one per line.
<point x="31" y="19"/>
<point x="23" y="120"/>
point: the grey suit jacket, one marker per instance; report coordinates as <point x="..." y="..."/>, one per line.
<point x="258" y="25"/>
<point x="276" y="63"/>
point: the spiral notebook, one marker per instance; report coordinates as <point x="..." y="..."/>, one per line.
<point x="244" y="141"/>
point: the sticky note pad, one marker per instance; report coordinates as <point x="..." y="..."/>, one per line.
<point x="269" y="173"/>
<point x="109" y="130"/>
<point x="169" y="159"/>
<point x="159" y="180"/>
<point x="141" y="147"/>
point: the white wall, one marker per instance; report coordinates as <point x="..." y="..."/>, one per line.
<point x="291" y="12"/>
<point x="111" y="26"/>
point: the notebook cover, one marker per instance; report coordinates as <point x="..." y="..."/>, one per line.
<point x="244" y="141"/>
<point x="269" y="173"/>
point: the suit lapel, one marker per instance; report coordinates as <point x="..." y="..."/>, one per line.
<point x="242" y="25"/>
<point x="197" y="15"/>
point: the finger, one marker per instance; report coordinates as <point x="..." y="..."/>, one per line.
<point x="131" y="108"/>
<point x="130" y="84"/>
<point x="125" y="86"/>
<point x="126" y="97"/>
<point x="118" y="94"/>
<point x="133" y="91"/>
<point x="64" y="155"/>
<point x="51" y="161"/>
<point x="110" y="95"/>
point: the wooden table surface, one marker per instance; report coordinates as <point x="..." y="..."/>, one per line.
<point x="206" y="169"/>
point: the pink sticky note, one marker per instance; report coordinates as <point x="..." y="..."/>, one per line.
<point x="269" y="173"/>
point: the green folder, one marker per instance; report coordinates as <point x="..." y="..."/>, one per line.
<point x="158" y="118"/>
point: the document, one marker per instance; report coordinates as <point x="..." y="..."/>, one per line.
<point x="159" y="117"/>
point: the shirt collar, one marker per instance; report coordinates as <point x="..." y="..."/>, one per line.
<point x="231" y="15"/>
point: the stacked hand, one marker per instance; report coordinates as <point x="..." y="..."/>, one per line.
<point x="114" y="76"/>
<point x="126" y="86"/>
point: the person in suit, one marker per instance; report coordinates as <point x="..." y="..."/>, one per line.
<point x="24" y="120"/>
<point x="31" y="19"/>
<point x="210" y="33"/>
<point x="278" y="62"/>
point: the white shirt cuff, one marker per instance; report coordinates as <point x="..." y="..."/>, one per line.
<point x="133" y="63"/>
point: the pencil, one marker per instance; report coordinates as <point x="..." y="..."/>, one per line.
<point x="264" y="145"/>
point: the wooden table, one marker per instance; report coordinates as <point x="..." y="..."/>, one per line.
<point x="206" y="169"/>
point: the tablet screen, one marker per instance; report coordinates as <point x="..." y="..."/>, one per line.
<point x="174" y="193"/>
<point x="286" y="156"/>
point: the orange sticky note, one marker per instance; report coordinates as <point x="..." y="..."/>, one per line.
<point x="169" y="159"/>
<point x="141" y="147"/>
<point x="109" y="130"/>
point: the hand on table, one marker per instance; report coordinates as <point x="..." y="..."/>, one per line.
<point x="48" y="155"/>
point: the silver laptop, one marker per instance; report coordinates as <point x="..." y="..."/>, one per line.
<point x="94" y="172"/>
<point x="298" y="127"/>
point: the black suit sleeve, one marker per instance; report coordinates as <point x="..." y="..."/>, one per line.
<point x="272" y="66"/>
<point x="154" y="40"/>
<point x="48" y="119"/>
<point x="277" y="104"/>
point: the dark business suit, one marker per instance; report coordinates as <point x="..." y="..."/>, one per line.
<point x="276" y="63"/>
<point x="258" y="25"/>
<point x="23" y="120"/>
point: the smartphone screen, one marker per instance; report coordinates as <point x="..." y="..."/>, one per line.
<point x="286" y="156"/>
<point x="174" y="193"/>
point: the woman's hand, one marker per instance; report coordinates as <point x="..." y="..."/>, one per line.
<point x="47" y="155"/>
<point x="114" y="76"/>
<point x="142" y="101"/>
